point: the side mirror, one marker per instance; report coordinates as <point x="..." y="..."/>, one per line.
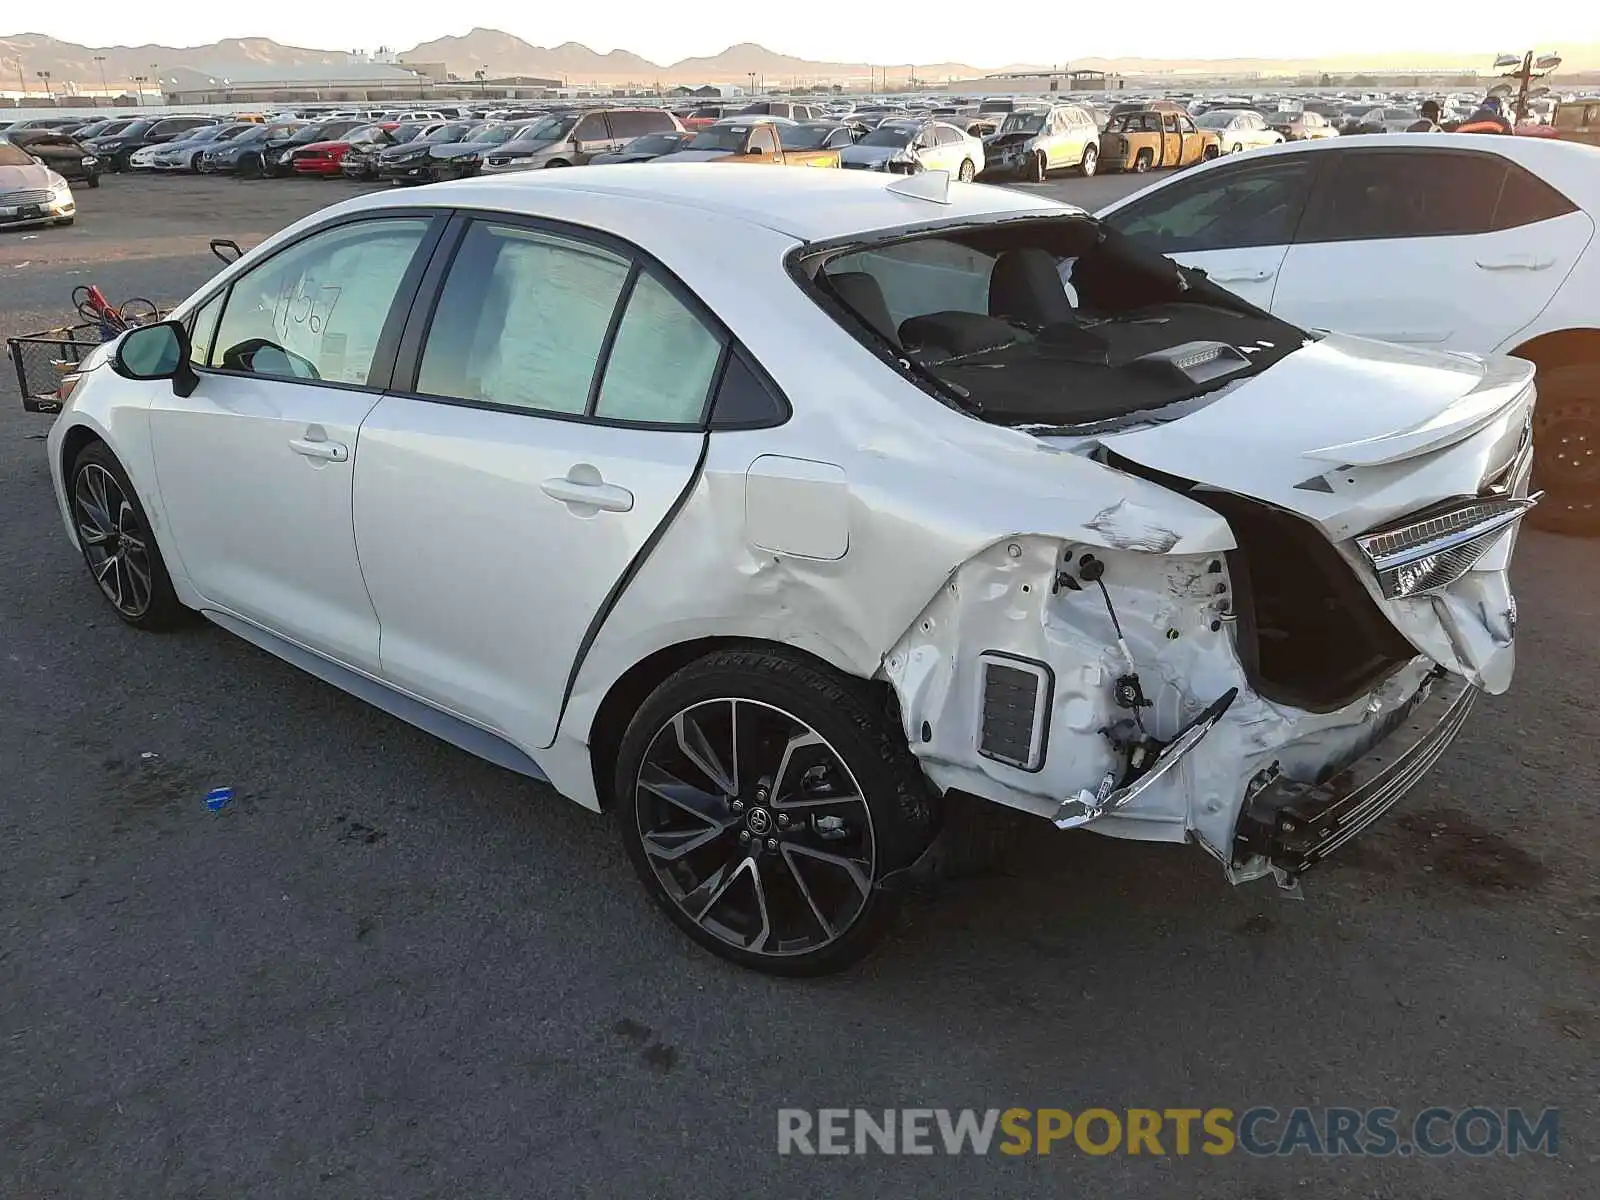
<point x="159" y="351"/>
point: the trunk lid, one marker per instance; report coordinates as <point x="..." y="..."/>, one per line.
<point x="1357" y="437"/>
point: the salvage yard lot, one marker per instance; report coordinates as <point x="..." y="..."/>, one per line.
<point x="389" y="969"/>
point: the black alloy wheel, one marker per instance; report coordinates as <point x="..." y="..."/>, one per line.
<point x="117" y="546"/>
<point x="763" y="799"/>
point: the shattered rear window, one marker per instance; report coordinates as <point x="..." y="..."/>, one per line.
<point x="1055" y="321"/>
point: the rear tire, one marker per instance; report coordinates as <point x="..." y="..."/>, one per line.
<point x="1236" y="148"/>
<point x="773" y="856"/>
<point x="1142" y="161"/>
<point x="967" y="171"/>
<point x="1566" y="450"/>
<point x="117" y="544"/>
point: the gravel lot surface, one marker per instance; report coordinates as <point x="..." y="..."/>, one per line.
<point x="387" y="969"/>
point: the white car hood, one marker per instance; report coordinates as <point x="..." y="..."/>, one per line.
<point x="1353" y="435"/>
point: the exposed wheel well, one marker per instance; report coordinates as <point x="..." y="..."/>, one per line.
<point x="635" y="685"/>
<point x="1563" y="348"/>
<point x="72" y="445"/>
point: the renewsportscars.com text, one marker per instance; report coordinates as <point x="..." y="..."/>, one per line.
<point x="1259" y="1131"/>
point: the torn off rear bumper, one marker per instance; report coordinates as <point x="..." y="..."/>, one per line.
<point x="1295" y="825"/>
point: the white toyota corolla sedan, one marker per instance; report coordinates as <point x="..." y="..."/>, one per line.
<point x="781" y="512"/>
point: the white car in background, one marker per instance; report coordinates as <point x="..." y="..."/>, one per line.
<point x="1239" y="128"/>
<point x="905" y="147"/>
<point x="780" y="512"/>
<point x="1485" y="245"/>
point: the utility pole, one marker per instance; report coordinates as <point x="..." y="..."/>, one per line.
<point x="100" y="61"/>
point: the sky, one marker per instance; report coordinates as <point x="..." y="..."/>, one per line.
<point x="985" y="35"/>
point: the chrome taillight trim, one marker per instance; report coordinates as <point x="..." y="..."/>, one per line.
<point x="1423" y="555"/>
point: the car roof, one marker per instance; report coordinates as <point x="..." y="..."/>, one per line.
<point x="807" y="205"/>
<point x="1573" y="167"/>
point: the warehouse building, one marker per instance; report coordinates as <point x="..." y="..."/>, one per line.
<point x="255" y="84"/>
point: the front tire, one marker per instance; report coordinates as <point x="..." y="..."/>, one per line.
<point x="1566" y="450"/>
<point x="1038" y="169"/>
<point x="762" y="798"/>
<point x="92" y="181"/>
<point x="118" y="547"/>
<point x="1090" y="162"/>
<point x="1236" y="148"/>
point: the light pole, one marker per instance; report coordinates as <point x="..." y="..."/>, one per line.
<point x="752" y="83"/>
<point x="45" y="75"/>
<point x="100" y="61"/>
<point x="1526" y="68"/>
<point x="138" y="90"/>
<point x="482" y="75"/>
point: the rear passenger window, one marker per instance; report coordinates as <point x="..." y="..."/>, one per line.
<point x="1405" y="194"/>
<point x="1526" y="199"/>
<point x="522" y="320"/>
<point x="662" y="361"/>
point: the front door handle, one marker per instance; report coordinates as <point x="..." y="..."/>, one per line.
<point x="1244" y="277"/>
<point x="586" y="493"/>
<point x="325" y="450"/>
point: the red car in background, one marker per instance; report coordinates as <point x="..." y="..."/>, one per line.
<point x="323" y="158"/>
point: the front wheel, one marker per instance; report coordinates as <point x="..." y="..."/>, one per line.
<point x="194" y="164"/>
<point x="763" y="798"/>
<point x="114" y="535"/>
<point x="1236" y="148"/>
<point x="92" y="181"/>
<point x="1566" y="450"/>
<point x="967" y="172"/>
<point x="1090" y="162"/>
<point x="1038" y="169"/>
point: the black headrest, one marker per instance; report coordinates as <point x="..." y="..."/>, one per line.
<point x="865" y="296"/>
<point x="1026" y="287"/>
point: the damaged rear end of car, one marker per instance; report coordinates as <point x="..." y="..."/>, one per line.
<point x="1268" y="691"/>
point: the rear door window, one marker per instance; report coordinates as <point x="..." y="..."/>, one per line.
<point x="522" y="320"/>
<point x="1371" y="195"/>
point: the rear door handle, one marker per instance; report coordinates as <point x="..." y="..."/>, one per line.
<point x="1516" y="262"/>
<point x="325" y="450"/>
<point x="585" y="493"/>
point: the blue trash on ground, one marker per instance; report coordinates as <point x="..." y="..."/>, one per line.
<point x="217" y="797"/>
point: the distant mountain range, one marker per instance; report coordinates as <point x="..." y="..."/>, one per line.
<point x="23" y="55"/>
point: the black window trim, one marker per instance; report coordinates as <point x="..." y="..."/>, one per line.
<point x="407" y="363"/>
<point x="381" y="373"/>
